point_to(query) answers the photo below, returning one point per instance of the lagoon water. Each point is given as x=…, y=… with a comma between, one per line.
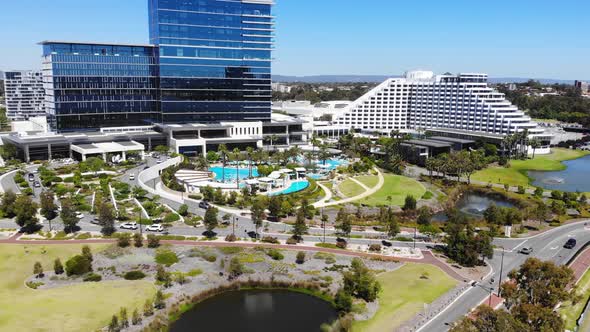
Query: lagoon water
x=257, y=311
x=576, y=177
x=473, y=205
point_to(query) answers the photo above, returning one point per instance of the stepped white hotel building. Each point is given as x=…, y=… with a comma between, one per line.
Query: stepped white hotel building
x=421, y=101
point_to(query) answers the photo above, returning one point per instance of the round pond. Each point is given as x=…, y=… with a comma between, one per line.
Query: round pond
x=257, y=311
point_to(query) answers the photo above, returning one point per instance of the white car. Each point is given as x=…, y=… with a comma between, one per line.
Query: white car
x=79, y=215
x=131, y=177
x=129, y=225
x=155, y=228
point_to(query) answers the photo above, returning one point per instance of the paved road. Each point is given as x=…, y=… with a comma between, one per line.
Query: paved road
x=546, y=246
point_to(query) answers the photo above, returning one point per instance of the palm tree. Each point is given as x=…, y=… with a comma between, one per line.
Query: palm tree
x=250, y=153
x=324, y=153
x=535, y=144
x=236, y=155
x=222, y=149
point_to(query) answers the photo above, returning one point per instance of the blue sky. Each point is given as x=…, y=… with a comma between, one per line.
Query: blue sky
x=524, y=38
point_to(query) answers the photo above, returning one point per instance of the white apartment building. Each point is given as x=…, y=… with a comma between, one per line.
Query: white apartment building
x=25, y=95
x=421, y=100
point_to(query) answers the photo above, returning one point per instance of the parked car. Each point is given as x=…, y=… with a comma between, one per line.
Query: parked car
x=129, y=225
x=159, y=161
x=79, y=215
x=570, y=244
x=37, y=184
x=95, y=221
x=131, y=177
x=386, y=243
x=155, y=228
x=526, y=251
x=31, y=177
x=204, y=205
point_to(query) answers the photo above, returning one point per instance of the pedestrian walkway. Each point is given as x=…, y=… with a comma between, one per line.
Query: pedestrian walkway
x=581, y=264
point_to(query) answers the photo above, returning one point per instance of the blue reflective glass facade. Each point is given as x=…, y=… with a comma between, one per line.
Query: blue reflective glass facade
x=214, y=59
x=89, y=86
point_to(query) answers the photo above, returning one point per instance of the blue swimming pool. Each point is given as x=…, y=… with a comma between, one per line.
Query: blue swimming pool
x=293, y=188
x=230, y=173
x=316, y=176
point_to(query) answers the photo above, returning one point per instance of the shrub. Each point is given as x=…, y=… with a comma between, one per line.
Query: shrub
x=427, y=195
x=166, y=257
x=300, y=257
x=93, y=277
x=194, y=273
x=292, y=241
x=275, y=254
x=58, y=267
x=375, y=247
x=521, y=190
x=34, y=285
x=341, y=244
x=231, y=238
x=134, y=275
x=138, y=240
x=230, y=250
x=343, y=301
x=170, y=218
x=235, y=267
x=270, y=239
x=124, y=240
x=197, y=197
x=78, y=265
x=183, y=210
x=153, y=241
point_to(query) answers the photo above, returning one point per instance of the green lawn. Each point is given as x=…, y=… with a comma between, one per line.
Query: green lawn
x=570, y=313
x=404, y=294
x=516, y=175
x=369, y=180
x=83, y=307
x=397, y=187
x=350, y=188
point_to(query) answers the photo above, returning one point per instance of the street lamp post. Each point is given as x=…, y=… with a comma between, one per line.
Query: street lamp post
x=233, y=226
x=415, y=231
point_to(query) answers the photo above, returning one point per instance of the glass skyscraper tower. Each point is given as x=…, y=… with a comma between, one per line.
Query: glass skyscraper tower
x=214, y=59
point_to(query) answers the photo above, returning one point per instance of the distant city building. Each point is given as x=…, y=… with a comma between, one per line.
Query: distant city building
x=282, y=88
x=583, y=87
x=512, y=87
x=24, y=94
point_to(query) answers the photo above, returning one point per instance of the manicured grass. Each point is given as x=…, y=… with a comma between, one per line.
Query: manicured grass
x=397, y=187
x=404, y=294
x=516, y=175
x=350, y=188
x=369, y=181
x=82, y=307
x=570, y=313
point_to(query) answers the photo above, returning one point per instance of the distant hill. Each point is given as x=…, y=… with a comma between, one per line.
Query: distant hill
x=381, y=78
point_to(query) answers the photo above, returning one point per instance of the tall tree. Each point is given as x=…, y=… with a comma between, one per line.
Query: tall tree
x=26, y=213
x=392, y=224
x=48, y=206
x=343, y=224
x=300, y=227
x=211, y=220
x=106, y=216
x=68, y=216
x=7, y=205
x=257, y=213
x=275, y=207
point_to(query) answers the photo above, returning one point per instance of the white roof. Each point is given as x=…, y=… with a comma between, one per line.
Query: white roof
x=300, y=169
x=266, y=180
x=286, y=170
x=109, y=147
